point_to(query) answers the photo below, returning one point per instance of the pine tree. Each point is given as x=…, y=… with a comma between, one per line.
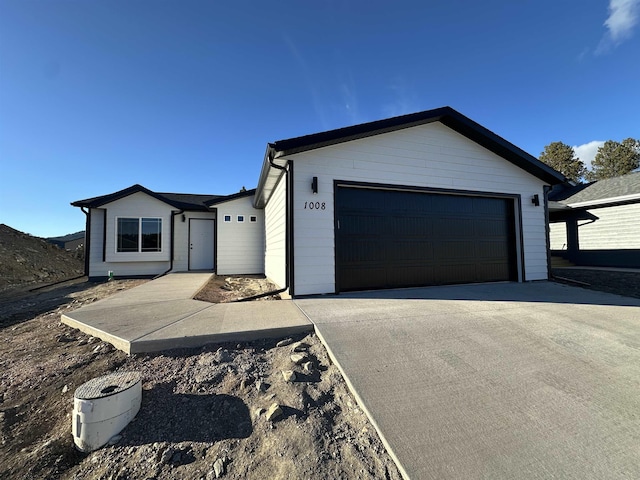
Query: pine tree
x=615, y=158
x=562, y=158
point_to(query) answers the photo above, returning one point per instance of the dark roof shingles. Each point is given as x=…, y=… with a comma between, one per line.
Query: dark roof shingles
x=601, y=190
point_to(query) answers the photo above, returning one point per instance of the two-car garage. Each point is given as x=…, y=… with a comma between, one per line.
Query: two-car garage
x=388, y=237
x=431, y=198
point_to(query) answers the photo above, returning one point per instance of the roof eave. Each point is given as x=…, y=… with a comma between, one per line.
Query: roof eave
x=446, y=115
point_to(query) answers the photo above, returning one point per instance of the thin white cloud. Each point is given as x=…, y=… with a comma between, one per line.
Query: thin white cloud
x=587, y=151
x=624, y=16
x=403, y=99
x=305, y=72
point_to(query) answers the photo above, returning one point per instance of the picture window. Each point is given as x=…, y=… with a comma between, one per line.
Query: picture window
x=138, y=235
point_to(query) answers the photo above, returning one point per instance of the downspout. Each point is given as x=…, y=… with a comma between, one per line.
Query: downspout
x=173, y=234
x=545, y=190
x=286, y=243
x=87, y=244
x=287, y=233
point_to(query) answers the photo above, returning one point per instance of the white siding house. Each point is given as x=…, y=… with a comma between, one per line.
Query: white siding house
x=233, y=247
x=438, y=152
x=429, y=198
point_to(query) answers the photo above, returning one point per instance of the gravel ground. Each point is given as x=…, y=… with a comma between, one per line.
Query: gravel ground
x=206, y=413
x=621, y=283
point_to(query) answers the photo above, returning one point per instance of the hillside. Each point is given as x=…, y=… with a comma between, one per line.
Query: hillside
x=26, y=260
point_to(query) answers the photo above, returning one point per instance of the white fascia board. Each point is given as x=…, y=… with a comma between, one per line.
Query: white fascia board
x=604, y=201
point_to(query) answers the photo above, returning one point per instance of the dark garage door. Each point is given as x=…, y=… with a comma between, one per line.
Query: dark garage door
x=391, y=238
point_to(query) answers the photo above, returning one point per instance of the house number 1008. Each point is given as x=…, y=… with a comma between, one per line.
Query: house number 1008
x=315, y=205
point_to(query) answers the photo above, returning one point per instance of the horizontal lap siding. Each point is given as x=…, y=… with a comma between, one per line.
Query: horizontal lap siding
x=426, y=156
x=558, y=236
x=240, y=246
x=275, y=235
x=615, y=228
x=128, y=264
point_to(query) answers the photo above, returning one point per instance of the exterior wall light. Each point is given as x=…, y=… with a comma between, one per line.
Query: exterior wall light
x=314, y=185
x=535, y=200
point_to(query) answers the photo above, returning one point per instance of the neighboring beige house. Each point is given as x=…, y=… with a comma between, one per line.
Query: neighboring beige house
x=424, y=199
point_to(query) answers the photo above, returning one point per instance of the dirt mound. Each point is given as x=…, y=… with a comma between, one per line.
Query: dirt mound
x=26, y=260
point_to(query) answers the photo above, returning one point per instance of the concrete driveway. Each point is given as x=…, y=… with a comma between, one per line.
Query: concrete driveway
x=495, y=381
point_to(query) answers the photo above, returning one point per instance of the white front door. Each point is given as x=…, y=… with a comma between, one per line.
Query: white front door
x=201, y=234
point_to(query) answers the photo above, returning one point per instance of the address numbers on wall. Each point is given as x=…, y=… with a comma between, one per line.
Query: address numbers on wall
x=315, y=205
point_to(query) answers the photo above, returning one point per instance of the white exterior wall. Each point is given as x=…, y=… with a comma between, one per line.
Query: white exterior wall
x=275, y=235
x=240, y=246
x=431, y=155
x=558, y=235
x=181, y=236
x=128, y=263
x=616, y=228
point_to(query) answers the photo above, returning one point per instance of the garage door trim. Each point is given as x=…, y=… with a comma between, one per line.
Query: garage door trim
x=516, y=197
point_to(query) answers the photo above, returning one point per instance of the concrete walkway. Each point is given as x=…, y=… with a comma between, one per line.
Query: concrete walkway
x=497, y=381
x=161, y=314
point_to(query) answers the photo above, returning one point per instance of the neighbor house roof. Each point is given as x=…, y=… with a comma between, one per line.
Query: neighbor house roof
x=182, y=201
x=623, y=189
x=446, y=115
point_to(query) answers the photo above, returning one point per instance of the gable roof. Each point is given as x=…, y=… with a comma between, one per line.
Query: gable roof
x=182, y=201
x=445, y=115
x=625, y=188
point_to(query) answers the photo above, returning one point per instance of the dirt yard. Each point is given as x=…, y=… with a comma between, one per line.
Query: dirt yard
x=206, y=413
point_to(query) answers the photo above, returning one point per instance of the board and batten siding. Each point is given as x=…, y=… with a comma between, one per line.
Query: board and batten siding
x=431, y=155
x=275, y=215
x=181, y=238
x=615, y=228
x=128, y=264
x=240, y=246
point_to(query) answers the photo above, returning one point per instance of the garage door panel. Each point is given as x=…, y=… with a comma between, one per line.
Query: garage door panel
x=390, y=238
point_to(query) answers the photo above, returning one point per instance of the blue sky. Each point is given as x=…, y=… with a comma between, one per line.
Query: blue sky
x=182, y=96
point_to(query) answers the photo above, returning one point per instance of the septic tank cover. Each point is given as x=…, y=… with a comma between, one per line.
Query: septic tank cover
x=107, y=385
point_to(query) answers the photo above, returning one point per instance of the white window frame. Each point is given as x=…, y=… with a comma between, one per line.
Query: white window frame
x=239, y=217
x=139, y=251
x=224, y=218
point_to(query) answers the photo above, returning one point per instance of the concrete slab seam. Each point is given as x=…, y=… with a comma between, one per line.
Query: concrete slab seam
x=354, y=392
x=174, y=322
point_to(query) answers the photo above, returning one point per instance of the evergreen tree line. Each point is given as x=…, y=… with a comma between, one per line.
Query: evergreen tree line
x=612, y=160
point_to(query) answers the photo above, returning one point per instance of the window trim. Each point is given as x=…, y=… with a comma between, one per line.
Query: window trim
x=240, y=218
x=140, y=250
x=224, y=218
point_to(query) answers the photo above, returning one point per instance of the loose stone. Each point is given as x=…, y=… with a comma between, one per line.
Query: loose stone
x=299, y=358
x=308, y=367
x=289, y=375
x=274, y=412
x=285, y=342
x=218, y=467
x=301, y=347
